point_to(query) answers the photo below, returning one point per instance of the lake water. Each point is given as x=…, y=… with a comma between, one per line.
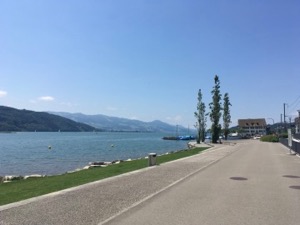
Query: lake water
x=28, y=153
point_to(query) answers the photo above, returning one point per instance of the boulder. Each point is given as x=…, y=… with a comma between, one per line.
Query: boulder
x=33, y=176
x=11, y=178
x=97, y=163
x=92, y=166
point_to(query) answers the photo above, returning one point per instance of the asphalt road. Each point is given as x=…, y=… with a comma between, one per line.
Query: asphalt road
x=259, y=184
x=249, y=183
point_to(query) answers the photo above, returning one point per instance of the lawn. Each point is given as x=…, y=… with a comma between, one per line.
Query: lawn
x=33, y=187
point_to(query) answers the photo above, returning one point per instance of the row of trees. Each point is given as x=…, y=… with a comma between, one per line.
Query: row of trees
x=215, y=114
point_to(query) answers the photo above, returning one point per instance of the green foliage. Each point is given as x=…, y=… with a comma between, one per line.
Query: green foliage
x=269, y=138
x=215, y=114
x=226, y=115
x=24, y=189
x=24, y=120
x=201, y=118
x=283, y=135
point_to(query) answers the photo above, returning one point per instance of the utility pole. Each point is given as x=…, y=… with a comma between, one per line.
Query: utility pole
x=285, y=129
x=298, y=122
x=284, y=113
x=280, y=128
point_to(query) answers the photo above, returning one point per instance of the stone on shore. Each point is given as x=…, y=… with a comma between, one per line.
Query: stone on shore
x=10, y=178
x=33, y=176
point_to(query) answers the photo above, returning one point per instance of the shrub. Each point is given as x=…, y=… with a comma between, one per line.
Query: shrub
x=269, y=138
x=284, y=135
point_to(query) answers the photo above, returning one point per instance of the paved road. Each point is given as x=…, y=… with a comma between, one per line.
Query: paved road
x=249, y=183
x=259, y=184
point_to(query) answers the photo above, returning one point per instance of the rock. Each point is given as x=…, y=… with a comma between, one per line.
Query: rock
x=97, y=163
x=104, y=166
x=33, y=176
x=11, y=178
x=92, y=166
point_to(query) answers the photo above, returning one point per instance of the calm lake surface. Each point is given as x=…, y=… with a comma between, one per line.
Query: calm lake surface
x=26, y=153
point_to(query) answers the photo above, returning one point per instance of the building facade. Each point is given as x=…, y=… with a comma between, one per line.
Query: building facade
x=297, y=123
x=252, y=127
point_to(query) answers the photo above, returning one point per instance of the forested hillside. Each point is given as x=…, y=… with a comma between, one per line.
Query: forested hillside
x=24, y=120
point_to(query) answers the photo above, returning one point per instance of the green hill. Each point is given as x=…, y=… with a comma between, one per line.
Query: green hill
x=24, y=120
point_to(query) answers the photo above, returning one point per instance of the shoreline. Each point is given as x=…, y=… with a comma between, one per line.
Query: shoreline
x=30, y=152
x=102, y=164
x=25, y=189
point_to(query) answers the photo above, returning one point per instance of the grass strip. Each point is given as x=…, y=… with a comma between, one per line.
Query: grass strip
x=33, y=187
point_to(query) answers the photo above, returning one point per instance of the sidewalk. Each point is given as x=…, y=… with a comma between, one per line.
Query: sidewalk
x=99, y=201
x=258, y=184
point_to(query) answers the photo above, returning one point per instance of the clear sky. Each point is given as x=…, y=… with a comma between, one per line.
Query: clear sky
x=146, y=59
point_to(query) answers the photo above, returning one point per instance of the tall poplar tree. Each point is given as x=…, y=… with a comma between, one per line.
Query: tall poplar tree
x=215, y=114
x=226, y=115
x=201, y=119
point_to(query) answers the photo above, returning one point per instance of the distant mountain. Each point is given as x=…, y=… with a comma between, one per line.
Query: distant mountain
x=24, y=120
x=108, y=123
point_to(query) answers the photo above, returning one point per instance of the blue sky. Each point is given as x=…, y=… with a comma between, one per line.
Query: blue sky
x=146, y=59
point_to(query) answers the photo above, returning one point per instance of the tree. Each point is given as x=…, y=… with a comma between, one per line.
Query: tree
x=215, y=114
x=226, y=115
x=201, y=119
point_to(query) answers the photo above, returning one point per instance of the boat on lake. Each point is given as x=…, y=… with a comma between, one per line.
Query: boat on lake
x=182, y=138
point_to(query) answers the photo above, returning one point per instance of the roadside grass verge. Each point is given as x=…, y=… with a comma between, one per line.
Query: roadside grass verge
x=269, y=138
x=33, y=187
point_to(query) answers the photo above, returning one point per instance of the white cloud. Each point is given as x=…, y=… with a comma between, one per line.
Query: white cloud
x=46, y=98
x=3, y=94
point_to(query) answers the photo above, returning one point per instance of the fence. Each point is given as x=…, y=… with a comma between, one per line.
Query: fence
x=297, y=136
x=295, y=144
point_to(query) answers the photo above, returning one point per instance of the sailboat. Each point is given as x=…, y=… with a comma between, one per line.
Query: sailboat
x=178, y=137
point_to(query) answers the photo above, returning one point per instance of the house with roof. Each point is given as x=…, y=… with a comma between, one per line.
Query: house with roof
x=297, y=123
x=252, y=127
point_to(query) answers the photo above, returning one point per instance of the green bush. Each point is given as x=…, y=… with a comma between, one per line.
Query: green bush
x=269, y=138
x=284, y=135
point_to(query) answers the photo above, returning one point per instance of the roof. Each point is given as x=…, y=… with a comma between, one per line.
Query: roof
x=252, y=122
